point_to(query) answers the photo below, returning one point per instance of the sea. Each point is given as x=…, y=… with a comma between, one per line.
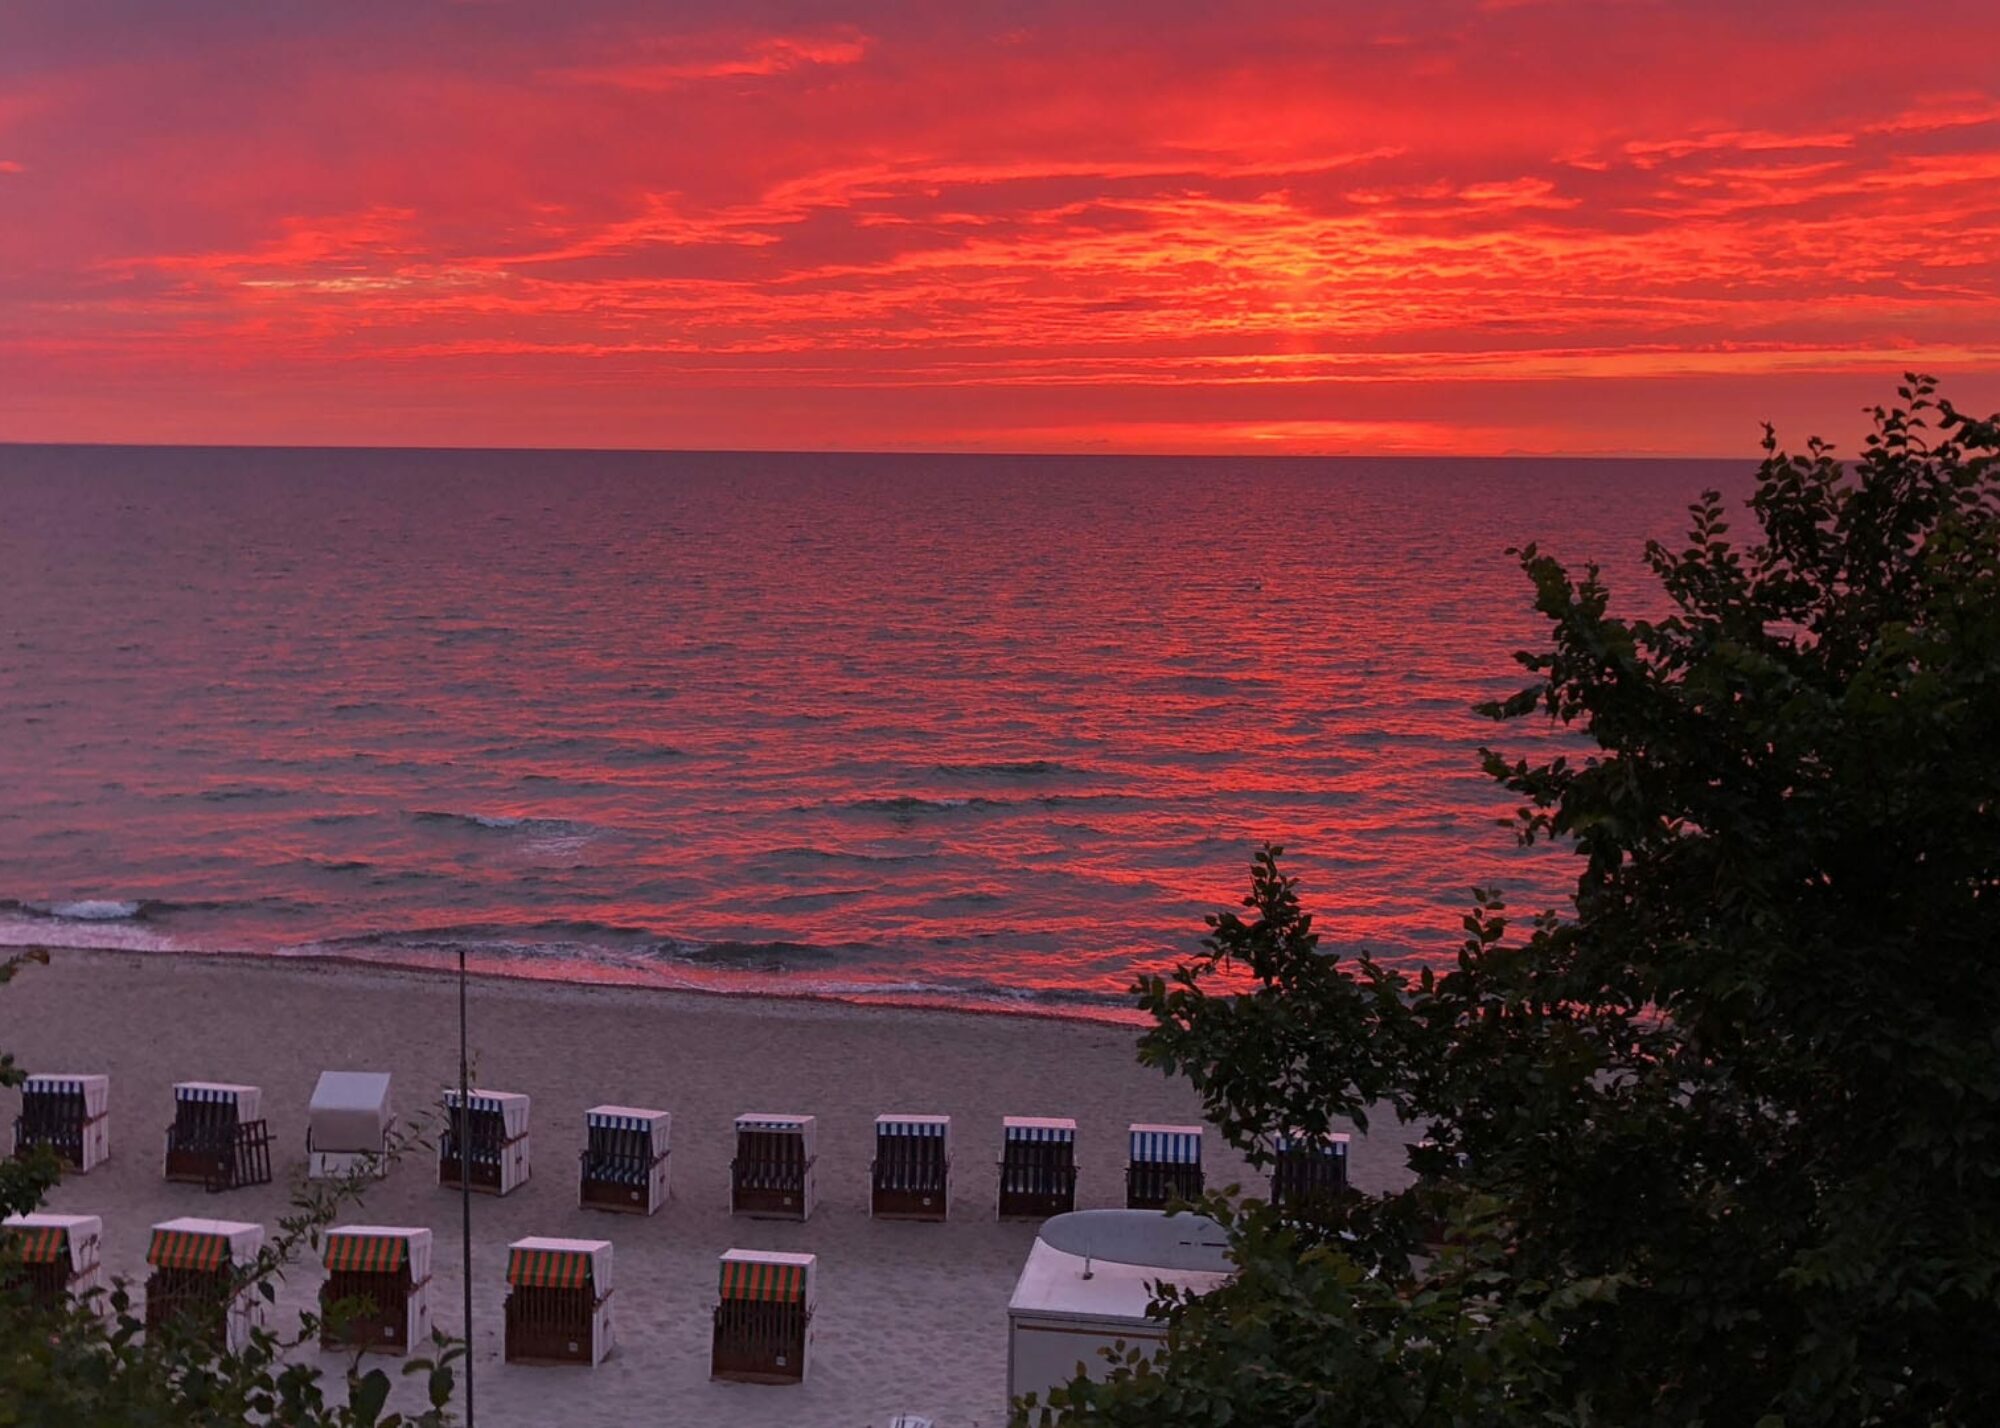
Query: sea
x=992, y=732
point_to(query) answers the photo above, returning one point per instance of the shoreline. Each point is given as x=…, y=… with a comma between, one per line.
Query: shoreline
x=490, y=970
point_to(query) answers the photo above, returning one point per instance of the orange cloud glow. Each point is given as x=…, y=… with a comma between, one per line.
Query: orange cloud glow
x=1448, y=226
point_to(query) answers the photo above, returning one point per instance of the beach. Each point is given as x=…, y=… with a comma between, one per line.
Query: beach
x=911, y=1317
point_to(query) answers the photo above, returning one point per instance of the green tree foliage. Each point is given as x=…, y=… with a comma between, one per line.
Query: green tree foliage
x=95, y=1363
x=1720, y=1144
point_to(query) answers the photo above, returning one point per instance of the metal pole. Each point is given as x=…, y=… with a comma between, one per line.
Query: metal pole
x=465, y=1179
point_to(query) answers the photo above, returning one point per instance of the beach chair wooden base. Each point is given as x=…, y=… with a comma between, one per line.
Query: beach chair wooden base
x=759, y=1342
x=1301, y=1182
x=765, y=1202
x=48, y=1285
x=1037, y=1179
x=556, y=1326
x=899, y=1204
x=1156, y=1184
x=617, y=1196
x=195, y=1301
x=382, y=1325
x=485, y=1177
x=1036, y=1204
x=78, y=1149
x=244, y=1158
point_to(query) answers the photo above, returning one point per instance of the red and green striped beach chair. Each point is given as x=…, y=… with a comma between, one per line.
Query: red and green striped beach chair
x=197, y=1280
x=764, y=1317
x=558, y=1301
x=56, y=1256
x=377, y=1295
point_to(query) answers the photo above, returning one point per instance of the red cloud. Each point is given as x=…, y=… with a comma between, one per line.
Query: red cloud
x=1310, y=232
x=760, y=58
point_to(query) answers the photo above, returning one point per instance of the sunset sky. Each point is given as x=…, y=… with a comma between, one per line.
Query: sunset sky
x=1395, y=227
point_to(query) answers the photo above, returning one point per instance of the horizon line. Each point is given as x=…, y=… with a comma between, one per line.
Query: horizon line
x=6, y=443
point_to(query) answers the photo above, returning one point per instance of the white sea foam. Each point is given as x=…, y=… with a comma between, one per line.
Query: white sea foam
x=17, y=930
x=90, y=910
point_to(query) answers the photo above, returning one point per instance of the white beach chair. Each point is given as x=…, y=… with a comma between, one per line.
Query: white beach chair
x=623, y=1165
x=772, y=1175
x=69, y=1114
x=1307, y=1168
x=1165, y=1165
x=1037, y=1167
x=218, y=1138
x=910, y=1177
x=495, y=1132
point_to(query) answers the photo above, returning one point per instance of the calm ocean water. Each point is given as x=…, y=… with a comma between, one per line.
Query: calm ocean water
x=980, y=730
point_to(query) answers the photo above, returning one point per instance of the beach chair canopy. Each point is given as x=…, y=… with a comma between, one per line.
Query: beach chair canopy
x=655, y=1124
x=1171, y=1145
x=95, y=1090
x=510, y=1106
x=1332, y=1145
x=248, y=1100
x=204, y=1244
x=768, y=1277
x=42, y=1238
x=915, y=1127
x=379, y=1249
x=1036, y=1129
x=560, y=1264
x=805, y=1127
x=350, y=1111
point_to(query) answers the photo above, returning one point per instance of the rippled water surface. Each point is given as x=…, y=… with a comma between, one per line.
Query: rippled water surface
x=989, y=730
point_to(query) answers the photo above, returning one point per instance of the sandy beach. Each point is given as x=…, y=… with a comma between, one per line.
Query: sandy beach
x=911, y=1316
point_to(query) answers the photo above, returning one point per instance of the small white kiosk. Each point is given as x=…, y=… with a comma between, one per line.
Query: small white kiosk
x=347, y=1125
x=1087, y=1285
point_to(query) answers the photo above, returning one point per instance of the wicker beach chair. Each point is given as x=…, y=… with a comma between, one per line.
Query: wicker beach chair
x=910, y=1177
x=196, y=1280
x=382, y=1273
x=347, y=1125
x=218, y=1139
x=58, y=1255
x=772, y=1176
x=68, y=1114
x=558, y=1301
x=623, y=1164
x=1165, y=1166
x=764, y=1317
x=1308, y=1169
x=494, y=1128
x=1037, y=1167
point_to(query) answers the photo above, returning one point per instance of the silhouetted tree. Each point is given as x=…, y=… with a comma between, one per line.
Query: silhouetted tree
x=1722, y=1144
